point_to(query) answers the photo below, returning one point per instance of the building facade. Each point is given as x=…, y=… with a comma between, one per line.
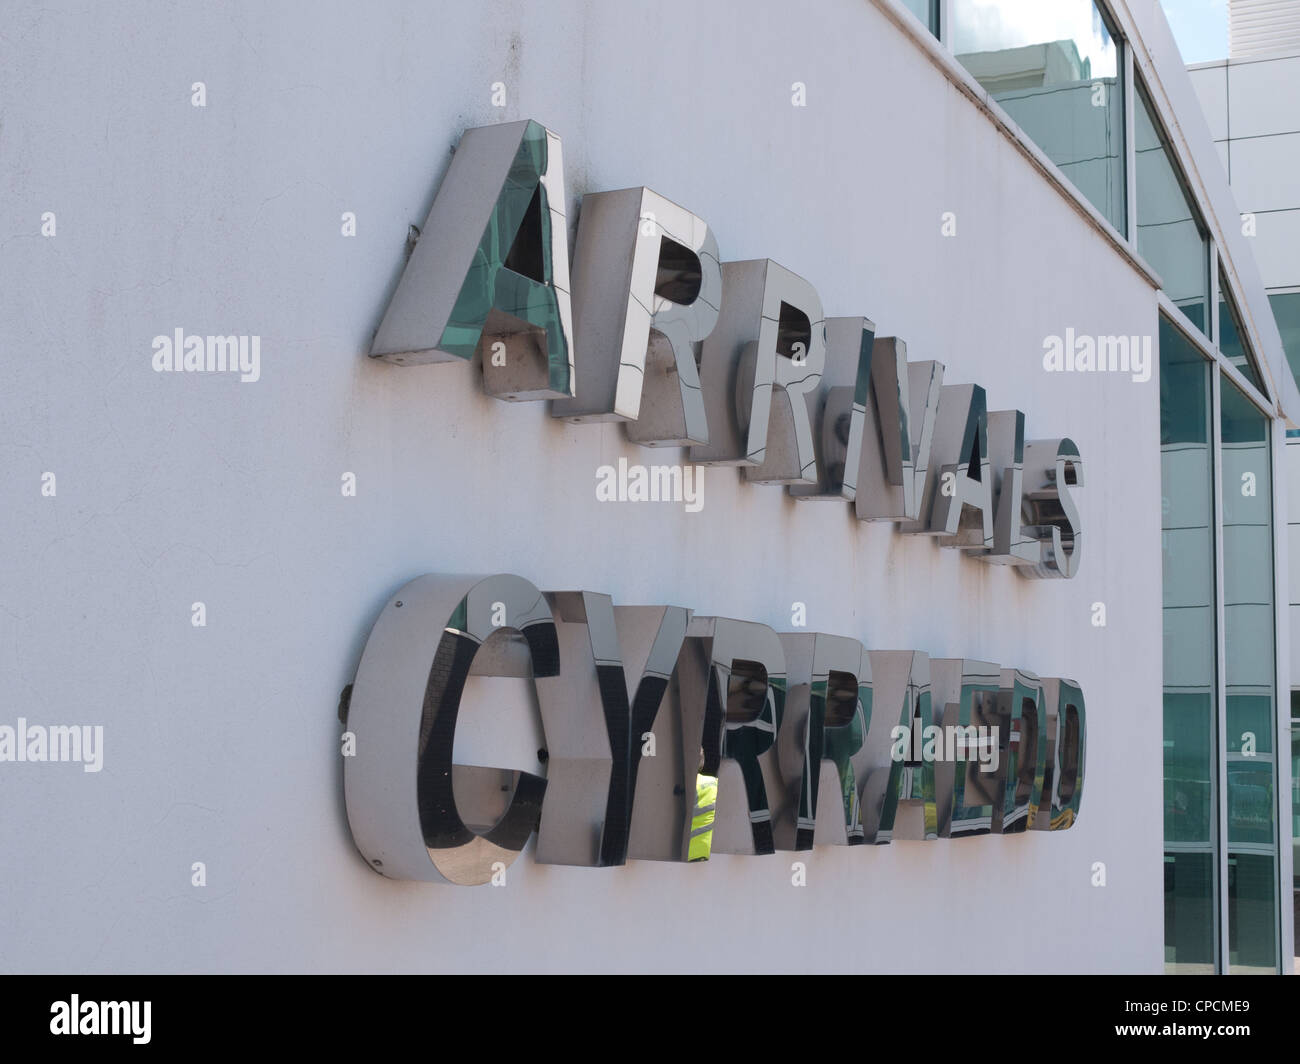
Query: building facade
x=1247, y=102
x=208, y=559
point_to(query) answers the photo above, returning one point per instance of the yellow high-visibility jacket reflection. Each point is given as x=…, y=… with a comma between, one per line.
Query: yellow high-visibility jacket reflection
x=706, y=803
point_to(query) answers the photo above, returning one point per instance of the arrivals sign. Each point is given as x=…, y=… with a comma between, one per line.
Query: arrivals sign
x=734, y=361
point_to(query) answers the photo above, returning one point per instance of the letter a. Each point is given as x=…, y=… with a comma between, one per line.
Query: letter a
x=492, y=264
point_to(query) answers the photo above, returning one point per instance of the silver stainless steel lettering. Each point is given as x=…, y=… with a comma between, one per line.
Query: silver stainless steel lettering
x=415, y=814
x=638, y=710
x=733, y=360
x=647, y=285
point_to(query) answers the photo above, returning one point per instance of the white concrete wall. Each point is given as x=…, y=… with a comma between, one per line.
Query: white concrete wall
x=221, y=742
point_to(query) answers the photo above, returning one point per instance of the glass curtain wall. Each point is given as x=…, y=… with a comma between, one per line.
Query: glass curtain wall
x=1231, y=344
x=1250, y=668
x=1286, y=311
x=1208, y=780
x=1170, y=233
x=1190, y=720
x=1057, y=70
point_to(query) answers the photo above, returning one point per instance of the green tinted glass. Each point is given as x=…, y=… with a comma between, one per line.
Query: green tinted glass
x=1295, y=798
x=1055, y=69
x=1232, y=340
x=927, y=11
x=1249, y=662
x=1252, y=914
x=1170, y=233
x=1190, y=722
x=1189, y=768
x=1189, y=913
x=1286, y=309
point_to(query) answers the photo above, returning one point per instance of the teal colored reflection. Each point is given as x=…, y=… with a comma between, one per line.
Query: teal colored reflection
x=974, y=791
x=1286, y=311
x=838, y=739
x=747, y=736
x=1190, y=647
x=1232, y=341
x=1250, y=724
x=1055, y=68
x=1189, y=913
x=1295, y=796
x=1250, y=802
x=1026, y=763
x=1070, y=758
x=927, y=11
x=1170, y=232
x=1252, y=914
x=911, y=780
x=1189, y=767
x=513, y=270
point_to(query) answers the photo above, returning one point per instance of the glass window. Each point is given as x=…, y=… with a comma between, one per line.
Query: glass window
x=1295, y=796
x=1170, y=233
x=1232, y=337
x=1252, y=914
x=1056, y=70
x=1248, y=641
x=1286, y=309
x=1190, y=722
x=1189, y=913
x=927, y=11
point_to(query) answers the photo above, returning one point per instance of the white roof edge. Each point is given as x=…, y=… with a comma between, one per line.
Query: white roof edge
x=1157, y=58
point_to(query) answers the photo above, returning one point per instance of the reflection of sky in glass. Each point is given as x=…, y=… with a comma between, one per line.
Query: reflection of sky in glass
x=991, y=25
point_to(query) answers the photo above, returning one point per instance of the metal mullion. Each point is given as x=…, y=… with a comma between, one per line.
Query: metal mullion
x=1130, y=146
x=1212, y=311
x=1221, y=944
x=1282, y=683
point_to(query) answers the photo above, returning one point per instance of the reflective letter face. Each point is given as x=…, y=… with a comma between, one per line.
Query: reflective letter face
x=849, y=344
x=1012, y=543
x=827, y=716
x=754, y=718
x=732, y=676
x=1022, y=712
x=899, y=801
x=974, y=745
x=759, y=368
x=647, y=286
x=595, y=713
x=402, y=805
x=490, y=272
x=1068, y=742
x=1051, y=467
x=958, y=492
x=891, y=434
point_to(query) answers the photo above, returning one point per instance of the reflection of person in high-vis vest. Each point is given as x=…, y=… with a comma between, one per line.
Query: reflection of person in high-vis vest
x=706, y=804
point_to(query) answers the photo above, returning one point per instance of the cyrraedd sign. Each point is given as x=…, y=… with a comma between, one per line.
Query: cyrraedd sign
x=811, y=736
